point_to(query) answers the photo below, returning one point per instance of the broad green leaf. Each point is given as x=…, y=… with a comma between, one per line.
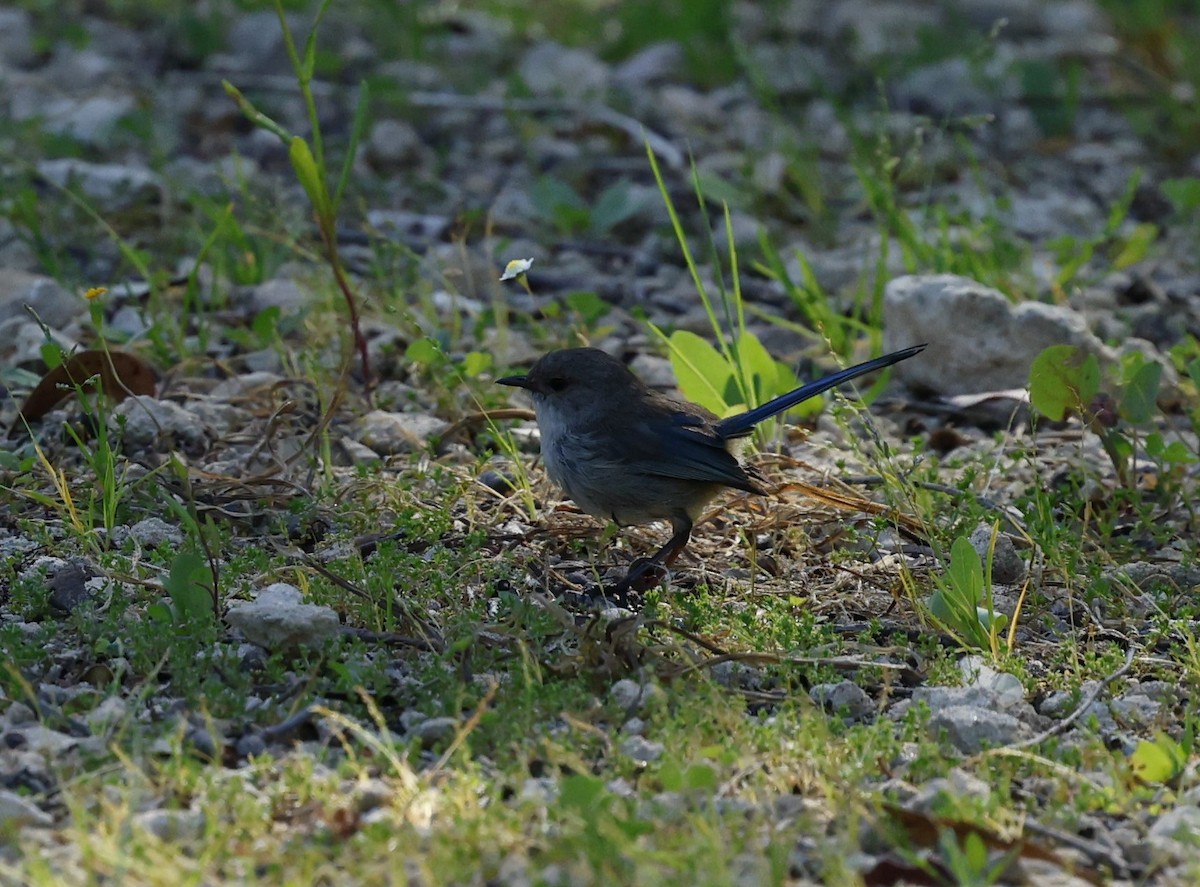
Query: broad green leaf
x=423, y=351
x=719, y=190
x=700, y=777
x=701, y=371
x=580, y=791
x=757, y=369
x=52, y=354
x=588, y=305
x=613, y=207
x=966, y=570
x=476, y=362
x=1139, y=400
x=1183, y=194
x=1174, y=453
x=159, y=612
x=1158, y=761
x=1062, y=380
x=266, y=322
x=670, y=776
x=188, y=585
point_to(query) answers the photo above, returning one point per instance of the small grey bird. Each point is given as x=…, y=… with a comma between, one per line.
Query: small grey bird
x=626, y=453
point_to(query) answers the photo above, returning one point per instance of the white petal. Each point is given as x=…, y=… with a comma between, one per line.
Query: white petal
x=516, y=268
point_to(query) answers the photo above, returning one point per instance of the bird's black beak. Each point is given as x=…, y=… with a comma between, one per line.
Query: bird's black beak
x=514, y=381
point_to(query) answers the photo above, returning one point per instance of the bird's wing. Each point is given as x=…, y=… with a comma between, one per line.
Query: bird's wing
x=693, y=451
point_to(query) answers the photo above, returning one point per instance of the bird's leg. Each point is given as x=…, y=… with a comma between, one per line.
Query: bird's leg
x=665, y=556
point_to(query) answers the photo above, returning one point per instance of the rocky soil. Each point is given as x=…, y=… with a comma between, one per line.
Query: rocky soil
x=965, y=174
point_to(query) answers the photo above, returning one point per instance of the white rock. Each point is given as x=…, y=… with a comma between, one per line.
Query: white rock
x=162, y=424
x=549, y=69
x=109, y=184
x=390, y=433
x=53, y=304
x=978, y=340
x=107, y=715
x=171, y=825
x=16, y=811
x=278, y=618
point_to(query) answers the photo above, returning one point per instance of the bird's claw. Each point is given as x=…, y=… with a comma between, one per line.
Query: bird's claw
x=644, y=573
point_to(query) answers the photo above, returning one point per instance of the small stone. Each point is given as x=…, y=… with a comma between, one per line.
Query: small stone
x=626, y=694
x=550, y=69
x=93, y=120
x=1008, y=567
x=1176, y=833
x=371, y=794
x=107, y=715
x=19, y=713
x=393, y=143
x=154, y=531
x=251, y=745
x=971, y=729
x=47, y=742
x=357, y=453
x=978, y=673
x=655, y=371
x=978, y=340
x=111, y=185
x=282, y=293
x=1133, y=710
x=652, y=64
x=409, y=227
x=17, y=47
x=844, y=697
x=641, y=749
x=391, y=433
x=956, y=784
x=69, y=585
x=499, y=481
x=431, y=731
x=200, y=742
x=17, y=812
x=278, y=618
x=161, y=425
x=171, y=825
x=53, y=304
x=1058, y=704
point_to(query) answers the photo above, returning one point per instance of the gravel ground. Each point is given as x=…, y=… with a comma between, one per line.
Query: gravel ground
x=967, y=174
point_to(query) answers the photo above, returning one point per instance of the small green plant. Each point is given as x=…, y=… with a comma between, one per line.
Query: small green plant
x=933, y=239
x=726, y=383
x=1162, y=760
x=1073, y=254
x=824, y=321
x=740, y=373
x=556, y=202
x=962, y=602
x=969, y=862
x=188, y=587
x=609, y=825
x=1063, y=380
x=308, y=163
x=1186, y=358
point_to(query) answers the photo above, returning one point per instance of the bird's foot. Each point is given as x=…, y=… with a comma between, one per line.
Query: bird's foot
x=644, y=573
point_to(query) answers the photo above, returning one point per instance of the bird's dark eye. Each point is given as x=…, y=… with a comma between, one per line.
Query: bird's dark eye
x=558, y=383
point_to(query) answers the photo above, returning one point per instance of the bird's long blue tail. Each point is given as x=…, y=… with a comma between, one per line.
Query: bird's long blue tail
x=739, y=425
